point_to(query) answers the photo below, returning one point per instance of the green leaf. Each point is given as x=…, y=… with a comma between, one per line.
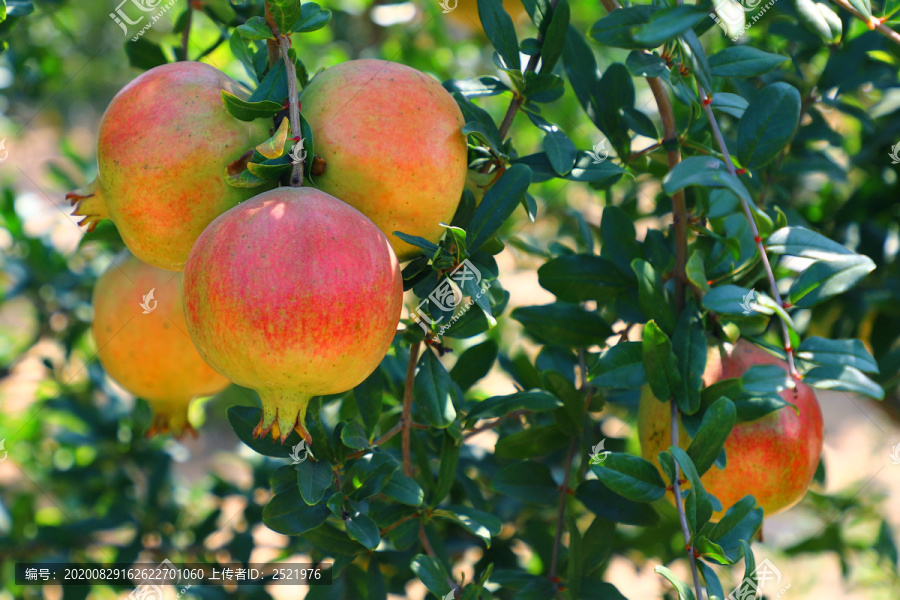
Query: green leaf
x=404, y=489
x=641, y=63
x=560, y=151
x=538, y=440
x=618, y=27
x=500, y=30
x=375, y=586
x=620, y=366
x=287, y=513
x=373, y=471
x=743, y=61
x=630, y=476
x=697, y=505
x=363, y=529
x=144, y=54
x=285, y=13
x=768, y=124
x=248, y=111
x=718, y=420
x=733, y=300
x=476, y=87
x=243, y=420
x=864, y=7
x=498, y=204
x=704, y=171
x=843, y=378
x=447, y=472
x=826, y=278
x=474, y=364
x=563, y=324
x=606, y=504
x=652, y=297
x=555, y=36
x=528, y=482
x=713, y=585
x=580, y=277
x=849, y=352
x=683, y=589
x=431, y=573
x=660, y=363
x=434, y=391
x=314, y=478
x=369, y=401
x=798, y=241
x=689, y=345
x=539, y=589
x=690, y=43
x=733, y=517
x=731, y=104
x=668, y=23
x=255, y=28
x=765, y=379
x=354, y=436
x=483, y=524
x=312, y=18
x=498, y=406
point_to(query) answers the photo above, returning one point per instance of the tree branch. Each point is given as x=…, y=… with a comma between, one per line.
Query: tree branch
x=282, y=46
x=405, y=418
x=679, y=504
x=873, y=23
x=754, y=231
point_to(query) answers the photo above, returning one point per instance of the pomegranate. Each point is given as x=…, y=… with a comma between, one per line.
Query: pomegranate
x=393, y=146
x=295, y=294
x=143, y=342
x=164, y=143
x=774, y=458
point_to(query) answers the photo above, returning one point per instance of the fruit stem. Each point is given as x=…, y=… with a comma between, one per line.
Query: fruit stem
x=283, y=42
x=88, y=202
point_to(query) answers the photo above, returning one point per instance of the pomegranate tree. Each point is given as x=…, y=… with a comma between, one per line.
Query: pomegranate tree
x=164, y=143
x=774, y=458
x=143, y=342
x=294, y=294
x=393, y=146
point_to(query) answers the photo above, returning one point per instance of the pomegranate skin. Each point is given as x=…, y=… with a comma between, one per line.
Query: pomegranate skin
x=393, y=146
x=774, y=458
x=164, y=143
x=147, y=349
x=295, y=294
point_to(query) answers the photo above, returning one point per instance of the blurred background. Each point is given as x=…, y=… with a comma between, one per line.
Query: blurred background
x=78, y=480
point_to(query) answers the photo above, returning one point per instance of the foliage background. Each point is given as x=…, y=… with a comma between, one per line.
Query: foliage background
x=80, y=481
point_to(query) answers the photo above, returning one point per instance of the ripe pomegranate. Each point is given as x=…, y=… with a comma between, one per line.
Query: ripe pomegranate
x=466, y=15
x=393, y=146
x=773, y=458
x=295, y=294
x=164, y=143
x=143, y=341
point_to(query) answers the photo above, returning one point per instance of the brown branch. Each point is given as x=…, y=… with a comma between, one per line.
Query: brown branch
x=679, y=205
x=679, y=504
x=405, y=418
x=391, y=433
x=398, y=523
x=494, y=424
x=873, y=23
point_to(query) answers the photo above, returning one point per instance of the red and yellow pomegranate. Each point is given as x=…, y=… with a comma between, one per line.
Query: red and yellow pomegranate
x=393, y=146
x=774, y=458
x=294, y=294
x=143, y=342
x=164, y=143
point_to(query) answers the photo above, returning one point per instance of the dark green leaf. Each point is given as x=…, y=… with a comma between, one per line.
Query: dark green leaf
x=483, y=524
x=826, y=278
x=797, y=241
x=244, y=419
x=618, y=27
x=850, y=352
x=668, y=23
x=248, y=111
x=284, y=13
x=652, y=298
x=255, y=29
x=563, y=324
x=404, y=489
x=555, y=36
x=644, y=64
x=314, y=478
x=144, y=54
x=431, y=573
x=312, y=18
x=498, y=204
x=718, y=421
x=684, y=590
x=768, y=124
x=500, y=30
x=580, y=277
x=660, y=363
x=288, y=514
x=620, y=366
x=630, y=476
x=363, y=529
x=560, y=151
x=528, y=482
x=743, y=61
x=434, y=391
x=704, y=171
x=605, y=503
x=845, y=379
x=447, y=472
x=498, y=406
x=538, y=440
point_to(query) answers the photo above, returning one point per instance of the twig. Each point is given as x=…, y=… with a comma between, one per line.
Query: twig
x=754, y=231
x=393, y=526
x=494, y=424
x=391, y=433
x=873, y=23
x=679, y=503
x=186, y=34
x=679, y=205
x=405, y=418
x=283, y=43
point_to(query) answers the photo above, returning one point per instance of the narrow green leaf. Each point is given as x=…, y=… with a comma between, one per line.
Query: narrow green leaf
x=563, y=324
x=743, y=61
x=434, y=393
x=500, y=30
x=704, y=171
x=620, y=366
x=580, y=277
x=843, y=378
x=768, y=124
x=528, y=482
x=498, y=204
x=850, y=352
x=447, y=472
x=718, y=420
x=498, y=406
x=630, y=476
x=667, y=24
x=248, y=111
x=660, y=363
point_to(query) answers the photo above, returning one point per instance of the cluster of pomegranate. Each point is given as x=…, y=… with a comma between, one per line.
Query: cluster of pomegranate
x=293, y=292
